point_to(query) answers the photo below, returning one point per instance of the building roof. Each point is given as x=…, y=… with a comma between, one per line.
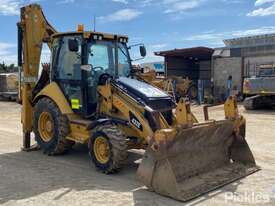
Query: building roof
x=250, y=41
x=199, y=53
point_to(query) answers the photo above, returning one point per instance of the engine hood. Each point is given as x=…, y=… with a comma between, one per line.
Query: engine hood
x=150, y=95
x=143, y=88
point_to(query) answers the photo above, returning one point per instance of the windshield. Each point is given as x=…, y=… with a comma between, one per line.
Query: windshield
x=102, y=58
x=101, y=55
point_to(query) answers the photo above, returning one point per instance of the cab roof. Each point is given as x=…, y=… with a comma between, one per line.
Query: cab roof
x=89, y=34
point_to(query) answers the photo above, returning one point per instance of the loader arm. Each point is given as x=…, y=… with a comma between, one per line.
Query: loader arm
x=33, y=31
x=116, y=103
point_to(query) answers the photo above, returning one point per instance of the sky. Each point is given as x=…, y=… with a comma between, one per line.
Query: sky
x=159, y=24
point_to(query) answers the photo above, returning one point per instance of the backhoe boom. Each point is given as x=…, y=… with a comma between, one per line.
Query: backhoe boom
x=33, y=31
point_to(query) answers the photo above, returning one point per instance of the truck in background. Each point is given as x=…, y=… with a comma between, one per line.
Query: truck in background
x=259, y=87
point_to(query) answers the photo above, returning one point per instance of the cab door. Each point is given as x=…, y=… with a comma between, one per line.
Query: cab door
x=66, y=71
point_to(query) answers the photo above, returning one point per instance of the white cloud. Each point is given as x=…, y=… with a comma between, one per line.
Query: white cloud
x=180, y=5
x=4, y=47
x=121, y=1
x=9, y=7
x=121, y=15
x=158, y=46
x=233, y=1
x=65, y=1
x=12, y=7
x=263, y=11
x=257, y=31
x=144, y=3
x=261, y=2
x=6, y=53
x=150, y=57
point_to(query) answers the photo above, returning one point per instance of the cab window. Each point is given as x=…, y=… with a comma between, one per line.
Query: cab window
x=69, y=62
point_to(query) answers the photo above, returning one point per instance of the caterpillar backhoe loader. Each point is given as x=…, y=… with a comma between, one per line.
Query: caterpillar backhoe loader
x=86, y=95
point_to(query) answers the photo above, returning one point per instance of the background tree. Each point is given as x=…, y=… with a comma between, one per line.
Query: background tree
x=4, y=68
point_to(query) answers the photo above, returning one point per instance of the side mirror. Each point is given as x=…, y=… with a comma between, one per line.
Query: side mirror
x=73, y=45
x=142, y=51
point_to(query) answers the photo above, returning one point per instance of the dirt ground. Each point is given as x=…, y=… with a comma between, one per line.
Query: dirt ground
x=37, y=179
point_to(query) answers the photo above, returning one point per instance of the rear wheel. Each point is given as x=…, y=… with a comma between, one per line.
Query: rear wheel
x=108, y=148
x=50, y=128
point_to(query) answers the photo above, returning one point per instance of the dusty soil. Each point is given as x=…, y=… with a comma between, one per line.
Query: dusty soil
x=36, y=179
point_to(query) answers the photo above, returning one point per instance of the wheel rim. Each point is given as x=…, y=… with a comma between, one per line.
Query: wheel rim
x=46, y=126
x=101, y=150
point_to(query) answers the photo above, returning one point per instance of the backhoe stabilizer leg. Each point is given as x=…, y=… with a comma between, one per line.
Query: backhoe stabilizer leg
x=27, y=147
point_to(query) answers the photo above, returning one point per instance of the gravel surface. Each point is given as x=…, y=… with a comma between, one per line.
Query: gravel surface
x=36, y=179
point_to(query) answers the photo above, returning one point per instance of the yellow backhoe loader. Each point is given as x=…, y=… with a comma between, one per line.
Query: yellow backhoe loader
x=86, y=95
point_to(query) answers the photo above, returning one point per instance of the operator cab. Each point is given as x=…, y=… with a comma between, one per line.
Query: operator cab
x=80, y=59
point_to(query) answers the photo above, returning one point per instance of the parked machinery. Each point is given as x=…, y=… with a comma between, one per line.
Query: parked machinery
x=9, y=86
x=259, y=88
x=176, y=86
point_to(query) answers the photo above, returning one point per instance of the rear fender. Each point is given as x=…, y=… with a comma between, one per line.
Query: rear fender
x=53, y=92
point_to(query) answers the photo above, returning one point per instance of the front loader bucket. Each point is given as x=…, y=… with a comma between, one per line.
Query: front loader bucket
x=198, y=160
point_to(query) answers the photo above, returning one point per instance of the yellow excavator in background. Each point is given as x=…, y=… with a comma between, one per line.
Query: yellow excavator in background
x=177, y=87
x=87, y=96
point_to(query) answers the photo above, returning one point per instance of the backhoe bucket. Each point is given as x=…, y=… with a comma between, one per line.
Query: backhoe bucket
x=198, y=160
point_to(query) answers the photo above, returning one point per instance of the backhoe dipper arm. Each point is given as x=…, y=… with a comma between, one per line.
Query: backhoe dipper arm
x=33, y=31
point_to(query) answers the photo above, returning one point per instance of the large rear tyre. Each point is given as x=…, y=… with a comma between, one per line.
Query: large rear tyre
x=108, y=148
x=50, y=128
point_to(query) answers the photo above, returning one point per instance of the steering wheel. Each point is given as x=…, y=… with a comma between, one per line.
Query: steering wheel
x=104, y=78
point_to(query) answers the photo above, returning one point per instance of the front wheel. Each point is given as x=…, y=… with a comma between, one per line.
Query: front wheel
x=108, y=148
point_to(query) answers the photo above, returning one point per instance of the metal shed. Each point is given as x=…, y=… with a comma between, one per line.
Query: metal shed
x=194, y=63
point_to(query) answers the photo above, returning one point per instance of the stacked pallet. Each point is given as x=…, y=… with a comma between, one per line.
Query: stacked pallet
x=8, y=82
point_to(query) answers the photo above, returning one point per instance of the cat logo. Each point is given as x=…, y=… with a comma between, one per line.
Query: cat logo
x=135, y=121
